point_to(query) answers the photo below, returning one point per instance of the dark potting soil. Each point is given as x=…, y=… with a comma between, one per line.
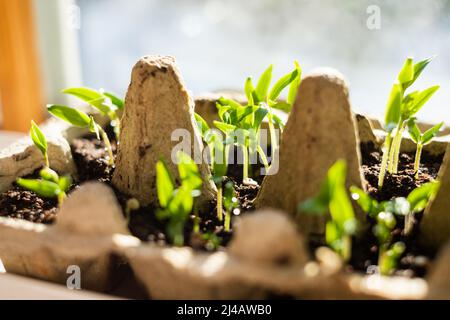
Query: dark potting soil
x=22, y=204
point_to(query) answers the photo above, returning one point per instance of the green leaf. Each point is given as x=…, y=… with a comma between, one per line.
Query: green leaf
x=182, y=203
x=260, y=114
x=38, y=138
x=419, y=100
x=406, y=74
x=282, y=83
x=340, y=207
x=188, y=171
x=49, y=175
x=419, y=67
x=73, y=116
x=414, y=130
x=43, y=188
x=118, y=102
x=249, y=90
x=367, y=204
x=93, y=127
x=263, y=85
x=164, y=184
x=283, y=106
x=293, y=89
x=229, y=102
x=201, y=124
x=92, y=97
x=419, y=197
x=393, y=108
x=224, y=127
x=431, y=133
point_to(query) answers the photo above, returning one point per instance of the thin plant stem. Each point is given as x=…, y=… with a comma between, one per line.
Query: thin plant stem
x=219, y=202
x=227, y=220
x=417, y=160
x=108, y=145
x=398, y=144
x=273, y=137
x=387, y=146
x=245, y=163
x=263, y=158
x=47, y=162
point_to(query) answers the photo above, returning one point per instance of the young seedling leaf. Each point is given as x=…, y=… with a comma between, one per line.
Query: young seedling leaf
x=38, y=139
x=419, y=197
x=263, y=85
x=393, y=108
x=420, y=99
x=406, y=74
x=73, y=116
x=419, y=67
x=118, y=102
x=431, y=133
x=92, y=97
x=188, y=171
x=414, y=130
x=367, y=204
x=164, y=184
x=282, y=83
x=43, y=188
x=224, y=127
x=249, y=90
x=202, y=125
x=93, y=127
x=293, y=88
x=283, y=106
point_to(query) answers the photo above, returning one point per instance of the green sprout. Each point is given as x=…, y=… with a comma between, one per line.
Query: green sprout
x=384, y=214
x=51, y=185
x=244, y=122
x=421, y=140
x=333, y=199
x=399, y=109
x=177, y=203
x=80, y=119
x=106, y=102
x=230, y=202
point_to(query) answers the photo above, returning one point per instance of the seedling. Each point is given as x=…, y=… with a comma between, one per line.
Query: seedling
x=106, y=102
x=231, y=203
x=244, y=122
x=333, y=199
x=51, y=185
x=421, y=139
x=80, y=119
x=399, y=110
x=177, y=203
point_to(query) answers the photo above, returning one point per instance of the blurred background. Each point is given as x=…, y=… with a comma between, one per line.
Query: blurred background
x=48, y=45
